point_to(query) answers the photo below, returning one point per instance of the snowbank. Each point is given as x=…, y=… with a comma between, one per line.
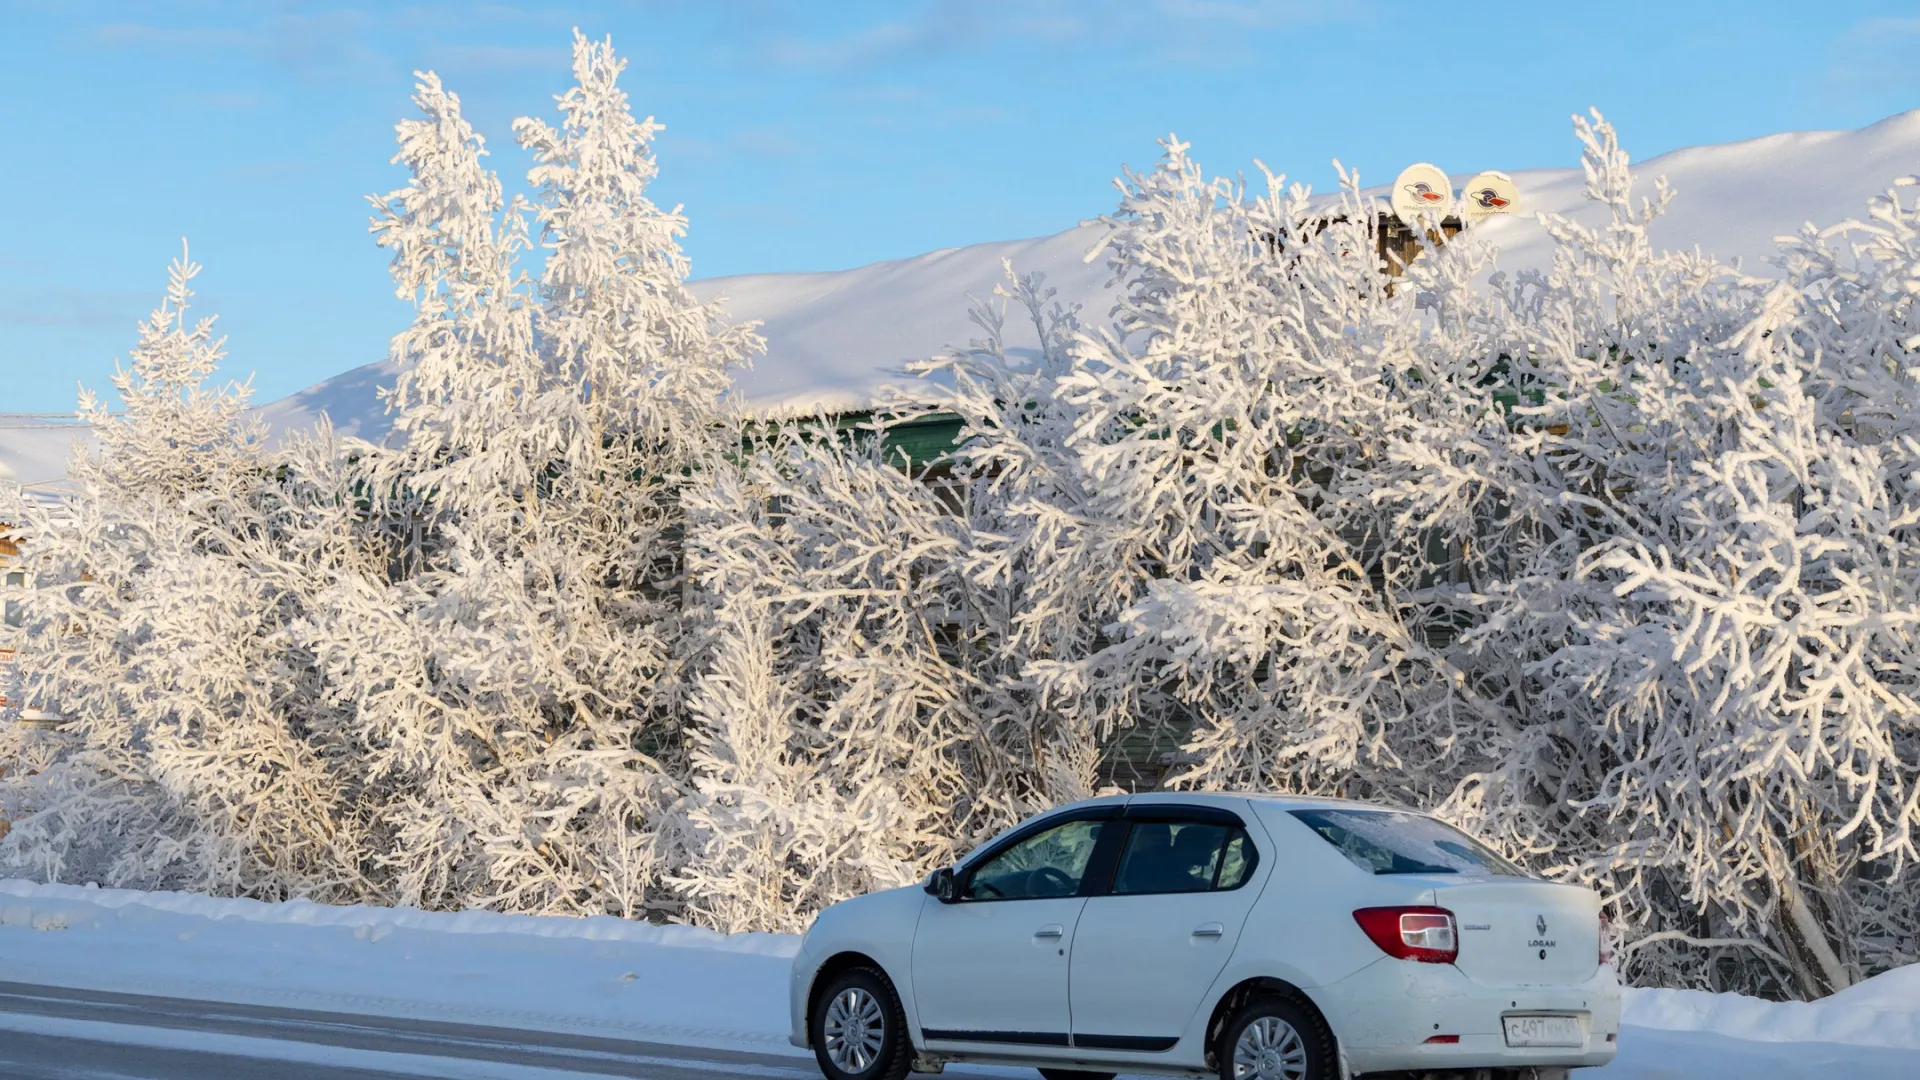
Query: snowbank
x=1883, y=1011
x=610, y=977
x=596, y=976
x=363, y=919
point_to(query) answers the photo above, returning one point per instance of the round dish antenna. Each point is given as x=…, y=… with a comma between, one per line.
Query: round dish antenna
x=1488, y=194
x=1422, y=193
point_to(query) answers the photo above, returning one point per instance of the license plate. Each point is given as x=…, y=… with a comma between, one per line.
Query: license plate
x=1544, y=1031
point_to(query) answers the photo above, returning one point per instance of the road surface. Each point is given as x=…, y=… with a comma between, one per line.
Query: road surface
x=55, y=1033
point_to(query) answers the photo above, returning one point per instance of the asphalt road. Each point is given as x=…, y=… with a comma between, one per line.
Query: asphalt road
x=55, y=1033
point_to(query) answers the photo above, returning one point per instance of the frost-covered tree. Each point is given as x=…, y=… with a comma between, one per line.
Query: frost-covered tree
x=1686, y=587
x=519, y=678
x=175, y=432
x=1173, y=491
x=1763, y=642
x=1609, y=563
x=856, y=722
x=157, y=633
x=774, y=834
x=445, y=672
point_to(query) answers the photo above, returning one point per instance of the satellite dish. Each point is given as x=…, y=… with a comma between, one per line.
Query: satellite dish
x=1422, y=192
x=1488, y=194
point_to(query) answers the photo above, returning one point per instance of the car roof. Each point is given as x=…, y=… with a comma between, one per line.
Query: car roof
x=1231, y=798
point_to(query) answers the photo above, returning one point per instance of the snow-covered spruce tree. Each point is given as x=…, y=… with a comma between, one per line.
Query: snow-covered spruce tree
x=175, y=434
x=518, y=679
x=157, y=633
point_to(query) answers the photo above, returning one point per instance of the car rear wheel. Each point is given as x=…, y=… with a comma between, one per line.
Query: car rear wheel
x=858, y=1029
x=1271, y=1038
x=1074, y=1074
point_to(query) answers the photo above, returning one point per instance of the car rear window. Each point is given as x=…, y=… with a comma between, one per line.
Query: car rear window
x=1395, y=842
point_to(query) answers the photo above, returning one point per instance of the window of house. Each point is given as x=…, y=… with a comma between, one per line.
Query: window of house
x=11, y=614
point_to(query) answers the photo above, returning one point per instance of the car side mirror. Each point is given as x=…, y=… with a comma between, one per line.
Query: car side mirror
x=940, y=884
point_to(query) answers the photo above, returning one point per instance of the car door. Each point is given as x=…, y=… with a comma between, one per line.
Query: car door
x=990, y=965
x=1147, y=950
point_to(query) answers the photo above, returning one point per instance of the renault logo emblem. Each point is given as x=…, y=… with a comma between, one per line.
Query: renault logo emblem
x=1540, y=924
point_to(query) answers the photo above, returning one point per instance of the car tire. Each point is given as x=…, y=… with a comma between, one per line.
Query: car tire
x=1075, y=1074
x=858, y=1030
x=1272, y=1038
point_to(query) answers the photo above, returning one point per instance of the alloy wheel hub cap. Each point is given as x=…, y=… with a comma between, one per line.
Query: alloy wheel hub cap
x=855, y=1028
x=1270, y=1049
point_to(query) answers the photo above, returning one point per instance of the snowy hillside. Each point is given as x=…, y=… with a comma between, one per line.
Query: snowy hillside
x=835, y=338
x=692, y=987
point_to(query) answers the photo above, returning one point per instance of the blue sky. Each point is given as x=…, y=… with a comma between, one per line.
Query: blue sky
x=801, y=136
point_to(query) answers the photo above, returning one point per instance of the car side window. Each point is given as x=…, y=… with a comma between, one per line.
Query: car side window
x=1237, y=863
x=1048, y=864
x=1177, y=857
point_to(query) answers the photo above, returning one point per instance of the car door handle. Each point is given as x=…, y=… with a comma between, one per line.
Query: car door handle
x=1050, y=931
x=1212, y=929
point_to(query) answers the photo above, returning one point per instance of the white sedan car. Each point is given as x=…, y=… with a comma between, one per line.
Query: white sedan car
x=1195, y=935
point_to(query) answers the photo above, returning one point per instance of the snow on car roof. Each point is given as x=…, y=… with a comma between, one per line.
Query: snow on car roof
x=1227, y=798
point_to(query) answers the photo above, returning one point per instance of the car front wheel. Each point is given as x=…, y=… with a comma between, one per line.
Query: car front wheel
x=1271, y=1038
x=858, y=1029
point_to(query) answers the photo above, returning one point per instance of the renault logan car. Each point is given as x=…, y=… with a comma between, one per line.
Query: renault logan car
x=1277, y=938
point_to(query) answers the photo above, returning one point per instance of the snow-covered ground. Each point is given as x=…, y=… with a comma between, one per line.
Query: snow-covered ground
x=612, y=978
x=836, y=338
x=601, y=976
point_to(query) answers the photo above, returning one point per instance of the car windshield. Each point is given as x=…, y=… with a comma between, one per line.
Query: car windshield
x=1395, y=842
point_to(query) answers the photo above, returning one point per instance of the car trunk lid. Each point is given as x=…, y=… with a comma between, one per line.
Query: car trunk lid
x=1524, y=933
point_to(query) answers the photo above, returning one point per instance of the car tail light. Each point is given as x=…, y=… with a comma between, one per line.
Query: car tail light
x=1606, y=940
x=1425, y=934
